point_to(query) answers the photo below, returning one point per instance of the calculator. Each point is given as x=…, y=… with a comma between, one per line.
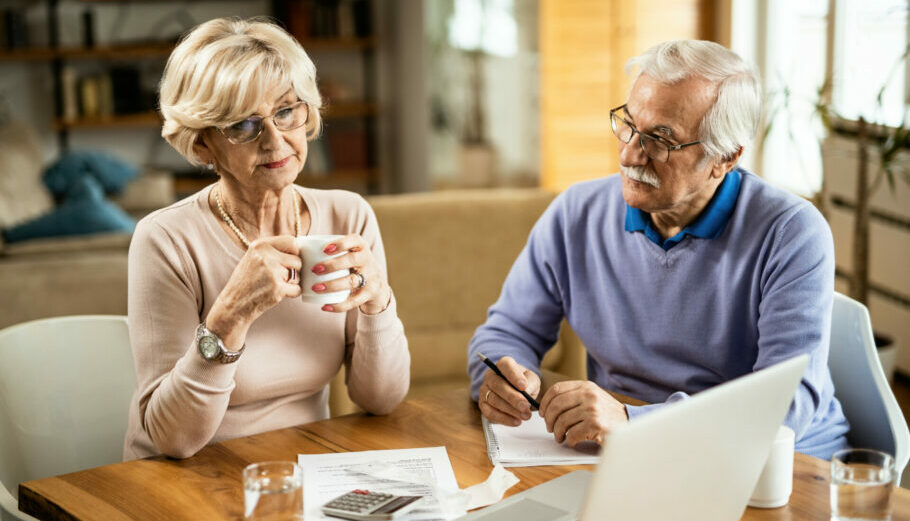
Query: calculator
x=364, y=504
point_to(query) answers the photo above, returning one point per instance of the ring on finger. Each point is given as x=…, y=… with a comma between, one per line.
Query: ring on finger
x=486, y=397
x=292, y=275
x=362, y=282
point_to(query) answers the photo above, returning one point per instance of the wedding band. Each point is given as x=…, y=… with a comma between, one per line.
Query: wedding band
x=292, y=274
x=363, y=281
x=486, y=397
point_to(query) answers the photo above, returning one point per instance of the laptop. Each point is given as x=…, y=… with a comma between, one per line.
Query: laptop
x=697, y=459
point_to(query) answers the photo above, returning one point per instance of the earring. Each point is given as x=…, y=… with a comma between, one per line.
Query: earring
x=210, y=166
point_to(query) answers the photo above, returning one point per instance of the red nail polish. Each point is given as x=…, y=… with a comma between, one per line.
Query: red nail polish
x=330, y=248
x=319, y=268
x=328, y=307
x=318, y=287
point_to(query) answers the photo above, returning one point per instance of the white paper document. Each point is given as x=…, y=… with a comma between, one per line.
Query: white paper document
x=530, y=445
x=424, y=472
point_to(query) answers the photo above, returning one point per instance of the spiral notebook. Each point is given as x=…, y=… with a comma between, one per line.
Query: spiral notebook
x=530, y=445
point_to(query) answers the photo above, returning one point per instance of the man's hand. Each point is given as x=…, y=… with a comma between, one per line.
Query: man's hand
x=578, y=411
x=502, y=404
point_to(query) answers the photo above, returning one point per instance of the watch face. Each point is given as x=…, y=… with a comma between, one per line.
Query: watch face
x=208, y=346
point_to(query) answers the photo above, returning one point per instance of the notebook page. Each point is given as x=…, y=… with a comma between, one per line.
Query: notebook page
x=530, y=444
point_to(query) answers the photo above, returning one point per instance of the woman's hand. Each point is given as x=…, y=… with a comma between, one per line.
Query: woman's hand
x=369, y=289
x=259, y=282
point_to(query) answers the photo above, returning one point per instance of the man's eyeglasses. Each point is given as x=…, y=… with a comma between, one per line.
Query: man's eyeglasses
x=655, y=147
x=288, y=118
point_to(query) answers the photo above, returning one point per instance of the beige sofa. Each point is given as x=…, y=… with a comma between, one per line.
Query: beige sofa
x=448, y=254
x=76, y=275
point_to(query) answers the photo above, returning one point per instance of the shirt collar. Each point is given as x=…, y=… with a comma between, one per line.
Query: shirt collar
x=709, y=224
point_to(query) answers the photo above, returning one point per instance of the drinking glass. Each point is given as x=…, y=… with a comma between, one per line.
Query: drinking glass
x=273, y=491
x=861, y=484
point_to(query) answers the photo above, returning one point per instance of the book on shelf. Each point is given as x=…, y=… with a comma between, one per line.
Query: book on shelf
x=345, y=14
x=88, y=28
x=127, y=90
x=15, y=28
x=348, y=148
x=328, y=18
x=360, y=10
x=69, y=83
x=105, y=95
x=108, y=93
x=89, y=97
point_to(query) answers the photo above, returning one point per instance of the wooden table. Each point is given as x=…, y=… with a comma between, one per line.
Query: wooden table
x=208, y=485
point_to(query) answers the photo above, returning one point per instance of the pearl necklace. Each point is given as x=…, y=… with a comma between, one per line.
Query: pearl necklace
x=240, y=235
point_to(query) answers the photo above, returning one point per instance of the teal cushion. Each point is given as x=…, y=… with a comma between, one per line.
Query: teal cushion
x=112, y=173
x=84, y=211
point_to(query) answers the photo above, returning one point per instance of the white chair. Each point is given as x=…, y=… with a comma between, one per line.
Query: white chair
x=876, y=420
x=65, y=389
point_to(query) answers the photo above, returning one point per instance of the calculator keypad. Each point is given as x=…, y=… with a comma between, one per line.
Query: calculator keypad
x=359, y=502
x=366, y=505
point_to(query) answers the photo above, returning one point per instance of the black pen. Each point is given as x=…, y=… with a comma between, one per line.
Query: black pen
x=496, y=370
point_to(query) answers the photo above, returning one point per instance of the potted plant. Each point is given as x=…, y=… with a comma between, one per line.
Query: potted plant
x=880, y=155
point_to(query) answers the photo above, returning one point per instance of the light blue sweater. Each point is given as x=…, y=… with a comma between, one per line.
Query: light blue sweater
x=660, y=324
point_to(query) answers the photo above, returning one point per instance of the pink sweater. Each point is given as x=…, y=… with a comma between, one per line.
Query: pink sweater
x=180, y=259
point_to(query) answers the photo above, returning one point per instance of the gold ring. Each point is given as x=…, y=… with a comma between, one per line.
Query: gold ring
x=486, y=397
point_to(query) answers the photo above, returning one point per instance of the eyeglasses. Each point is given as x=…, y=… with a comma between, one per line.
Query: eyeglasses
x=288, y=118
x=655, y=147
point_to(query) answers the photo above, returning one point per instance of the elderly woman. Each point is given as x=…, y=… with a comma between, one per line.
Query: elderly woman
x=223, y=345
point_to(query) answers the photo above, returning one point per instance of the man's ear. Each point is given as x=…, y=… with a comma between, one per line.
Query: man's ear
x=724, y=164
x=202, y=150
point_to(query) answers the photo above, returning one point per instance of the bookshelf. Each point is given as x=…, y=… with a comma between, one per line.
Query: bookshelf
x=344, y=156
x=344, y=32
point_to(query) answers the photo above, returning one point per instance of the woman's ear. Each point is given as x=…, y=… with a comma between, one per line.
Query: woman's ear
x=202, y=150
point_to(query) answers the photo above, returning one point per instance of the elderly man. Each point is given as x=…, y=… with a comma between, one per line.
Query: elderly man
x=680, y=273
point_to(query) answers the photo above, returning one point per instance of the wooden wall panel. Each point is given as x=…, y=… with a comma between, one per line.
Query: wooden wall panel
x=584, y=45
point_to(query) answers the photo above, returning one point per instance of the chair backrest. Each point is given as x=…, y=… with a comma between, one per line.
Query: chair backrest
x=65, y=390
x=876, y=420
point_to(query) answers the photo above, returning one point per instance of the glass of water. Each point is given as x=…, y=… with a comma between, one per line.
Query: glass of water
x=861, y=484
x=273, y=491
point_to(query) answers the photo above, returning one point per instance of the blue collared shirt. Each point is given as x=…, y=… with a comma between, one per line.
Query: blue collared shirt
x=708, y=225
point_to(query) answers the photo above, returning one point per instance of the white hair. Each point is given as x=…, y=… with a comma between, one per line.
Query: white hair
x=221, y=72
x=733, y=119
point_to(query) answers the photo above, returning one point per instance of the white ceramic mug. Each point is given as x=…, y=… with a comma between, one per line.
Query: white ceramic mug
x=776, y=481
x=311, y=253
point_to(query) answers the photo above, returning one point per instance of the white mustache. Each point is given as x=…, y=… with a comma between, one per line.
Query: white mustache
x=642, y=174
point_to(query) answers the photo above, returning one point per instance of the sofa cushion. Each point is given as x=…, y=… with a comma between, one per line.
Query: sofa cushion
x=66, y=246
x=84, y=211
x=56, y=285
x=22, y=194
x=111, y=173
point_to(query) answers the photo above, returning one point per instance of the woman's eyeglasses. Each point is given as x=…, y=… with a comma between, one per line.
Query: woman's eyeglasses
x=288, y=118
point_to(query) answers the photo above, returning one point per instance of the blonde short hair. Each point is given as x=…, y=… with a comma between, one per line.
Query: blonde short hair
x=221, y=71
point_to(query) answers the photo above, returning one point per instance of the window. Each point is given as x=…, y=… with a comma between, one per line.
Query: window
x=869, y=46
x=790, y=42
